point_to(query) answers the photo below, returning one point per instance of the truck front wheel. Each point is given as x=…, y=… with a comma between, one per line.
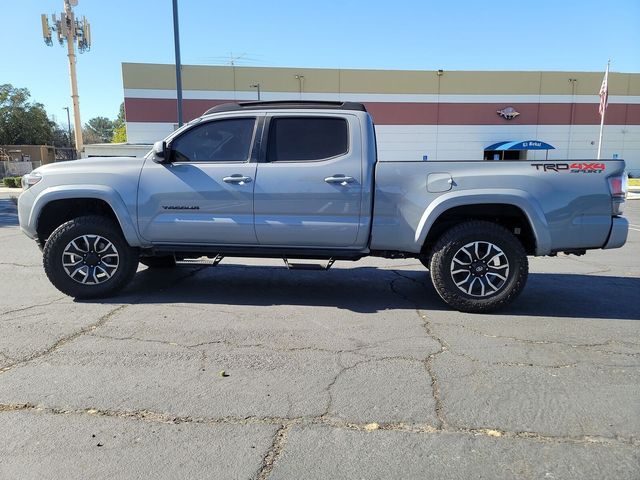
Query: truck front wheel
x=88, y=257
x=478, y=266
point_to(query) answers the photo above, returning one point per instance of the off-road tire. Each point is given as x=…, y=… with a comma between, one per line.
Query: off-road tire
x=88, y=225
x=461, y=235
x=164, y=261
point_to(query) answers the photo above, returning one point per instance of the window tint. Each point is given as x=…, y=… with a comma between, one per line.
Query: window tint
x=306, y=139
x=219, y=141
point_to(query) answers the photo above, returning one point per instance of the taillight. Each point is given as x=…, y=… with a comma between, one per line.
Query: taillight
x=618, y=189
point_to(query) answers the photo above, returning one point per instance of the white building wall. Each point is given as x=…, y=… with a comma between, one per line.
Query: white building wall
x=467, y=142
x=148, y=132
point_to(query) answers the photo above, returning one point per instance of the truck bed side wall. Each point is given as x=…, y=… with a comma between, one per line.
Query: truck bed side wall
x=566, y=210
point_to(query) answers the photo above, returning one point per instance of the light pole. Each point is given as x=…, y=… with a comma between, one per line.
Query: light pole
x=68, y=123
x=257, y=86
x=300, y=79
x=72, y=31
x=176, y=41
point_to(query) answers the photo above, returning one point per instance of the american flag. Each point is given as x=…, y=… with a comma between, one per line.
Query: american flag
x=604, y=93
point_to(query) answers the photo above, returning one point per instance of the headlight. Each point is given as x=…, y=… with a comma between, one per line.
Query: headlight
x=30, y=179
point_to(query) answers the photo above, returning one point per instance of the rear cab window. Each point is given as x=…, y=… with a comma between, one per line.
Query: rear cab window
x=307, y=139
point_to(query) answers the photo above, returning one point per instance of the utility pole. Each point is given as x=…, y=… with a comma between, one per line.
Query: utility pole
x=72, y=31
x=68, y=123
x=176, y=41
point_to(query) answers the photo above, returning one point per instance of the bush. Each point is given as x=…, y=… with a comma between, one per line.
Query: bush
x=12, y=182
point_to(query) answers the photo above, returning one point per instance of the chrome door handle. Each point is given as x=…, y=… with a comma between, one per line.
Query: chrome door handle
x=239, y=179
x=342, y=180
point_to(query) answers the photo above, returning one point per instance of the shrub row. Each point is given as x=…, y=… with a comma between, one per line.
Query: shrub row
x=15, y=182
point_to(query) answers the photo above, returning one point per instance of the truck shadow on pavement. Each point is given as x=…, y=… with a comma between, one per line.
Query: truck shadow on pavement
x=371, y=289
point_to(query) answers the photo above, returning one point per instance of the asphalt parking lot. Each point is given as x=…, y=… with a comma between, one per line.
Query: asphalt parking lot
x=246, y=370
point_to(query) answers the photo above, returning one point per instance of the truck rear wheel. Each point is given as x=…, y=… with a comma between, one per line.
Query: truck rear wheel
x=88, y=257
x=478, y=266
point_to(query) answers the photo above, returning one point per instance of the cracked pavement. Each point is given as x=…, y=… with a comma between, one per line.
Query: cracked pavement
x=358, y=372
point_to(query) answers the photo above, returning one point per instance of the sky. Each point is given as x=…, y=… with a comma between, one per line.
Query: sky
x=564, y=35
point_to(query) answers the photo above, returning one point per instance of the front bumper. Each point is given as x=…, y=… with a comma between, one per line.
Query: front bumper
x=618, y=234
x=25, y=204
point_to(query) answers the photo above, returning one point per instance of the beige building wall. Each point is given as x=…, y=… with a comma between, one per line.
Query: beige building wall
x=440, y=115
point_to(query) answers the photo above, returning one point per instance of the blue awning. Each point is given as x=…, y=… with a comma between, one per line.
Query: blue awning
x=526, y=145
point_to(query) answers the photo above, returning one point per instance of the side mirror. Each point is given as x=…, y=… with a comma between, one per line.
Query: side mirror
x=160, y=151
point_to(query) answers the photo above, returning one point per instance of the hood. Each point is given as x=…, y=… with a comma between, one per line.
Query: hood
x=97, y=164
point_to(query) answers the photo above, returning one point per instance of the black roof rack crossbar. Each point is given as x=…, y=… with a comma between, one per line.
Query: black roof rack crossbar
x=277, y=104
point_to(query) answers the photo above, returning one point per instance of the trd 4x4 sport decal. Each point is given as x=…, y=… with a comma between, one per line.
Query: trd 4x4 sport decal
x=570, y=167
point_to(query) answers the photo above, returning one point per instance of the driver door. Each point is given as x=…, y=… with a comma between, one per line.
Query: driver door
x=202, y=193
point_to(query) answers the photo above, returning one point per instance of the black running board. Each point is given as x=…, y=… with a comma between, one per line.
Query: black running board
x=307, y=266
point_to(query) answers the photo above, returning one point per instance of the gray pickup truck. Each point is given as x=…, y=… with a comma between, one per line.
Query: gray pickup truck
x=301, y=180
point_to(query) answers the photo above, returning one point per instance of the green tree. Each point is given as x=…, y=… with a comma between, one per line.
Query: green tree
x=119, y=127
x=22, y=122
x=60, y=137
x=98, y=130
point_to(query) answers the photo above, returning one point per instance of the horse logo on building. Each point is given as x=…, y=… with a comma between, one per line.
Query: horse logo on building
x=508, y=113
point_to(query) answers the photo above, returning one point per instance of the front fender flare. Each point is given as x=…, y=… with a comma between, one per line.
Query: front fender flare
x=518, y=198
x=99, y=192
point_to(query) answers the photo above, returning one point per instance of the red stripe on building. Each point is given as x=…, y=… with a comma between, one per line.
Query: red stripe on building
x=413, y=113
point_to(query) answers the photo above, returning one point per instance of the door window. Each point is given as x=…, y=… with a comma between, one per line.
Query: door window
x=219, y=141
x=299, y=139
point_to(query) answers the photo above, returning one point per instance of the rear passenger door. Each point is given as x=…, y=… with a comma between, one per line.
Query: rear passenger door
x=308, y=189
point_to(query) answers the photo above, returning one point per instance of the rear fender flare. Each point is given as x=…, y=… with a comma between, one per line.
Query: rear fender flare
x=518, y=198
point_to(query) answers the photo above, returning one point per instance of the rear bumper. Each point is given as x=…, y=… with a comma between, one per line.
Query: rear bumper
x=618, y=235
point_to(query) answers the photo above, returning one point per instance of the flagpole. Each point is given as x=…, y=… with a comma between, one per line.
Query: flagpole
x=604, y=109
x=600, y=139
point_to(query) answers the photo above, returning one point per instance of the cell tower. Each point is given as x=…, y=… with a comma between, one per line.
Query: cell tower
x=74, y=32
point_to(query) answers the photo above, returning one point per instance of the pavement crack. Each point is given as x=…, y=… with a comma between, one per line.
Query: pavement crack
x=526, y=364
x=144, y=340
x=285, y=425
x=511, y=364
x=22, y=265
x=429, y=366
x=608, y=342
x=46, y=304
x=341, y=372
x=64, y=340
x=230, y=344
x=84, y=330
x=278, y=444
x=430, y=360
